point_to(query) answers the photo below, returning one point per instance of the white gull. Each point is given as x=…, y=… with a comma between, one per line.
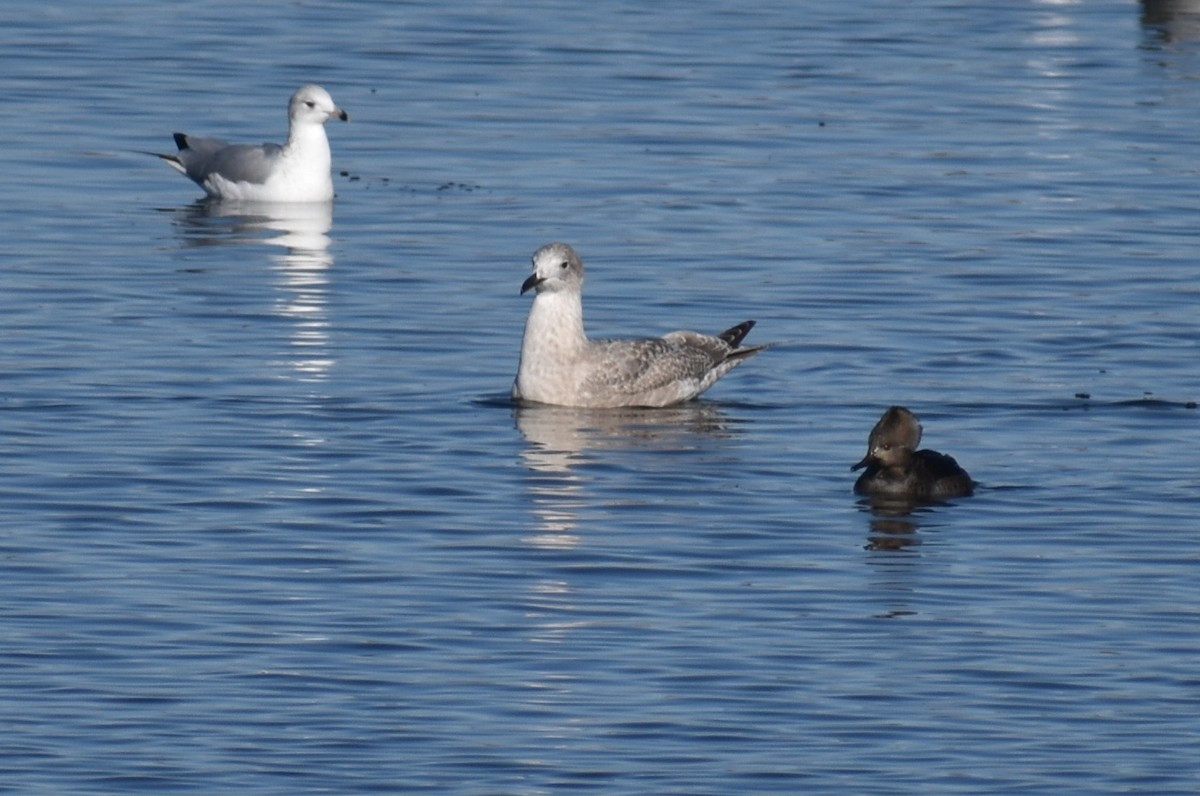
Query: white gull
x=298, y=171
x=560, y=365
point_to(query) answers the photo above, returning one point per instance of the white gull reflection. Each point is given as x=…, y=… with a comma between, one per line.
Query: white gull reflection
x=304, y=266
x=298, y=234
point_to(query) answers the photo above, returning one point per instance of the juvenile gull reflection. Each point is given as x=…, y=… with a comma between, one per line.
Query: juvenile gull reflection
x=562, y=438
x=561, y=444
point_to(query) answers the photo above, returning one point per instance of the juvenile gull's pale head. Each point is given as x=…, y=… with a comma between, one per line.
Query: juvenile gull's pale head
x=556, y=267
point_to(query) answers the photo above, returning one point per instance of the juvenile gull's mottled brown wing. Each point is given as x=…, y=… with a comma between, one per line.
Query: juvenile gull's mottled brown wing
x=670, y=369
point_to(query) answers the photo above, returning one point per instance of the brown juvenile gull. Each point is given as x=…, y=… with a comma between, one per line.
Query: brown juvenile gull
x=897, y=470
x=298, y=171
x=560, y=365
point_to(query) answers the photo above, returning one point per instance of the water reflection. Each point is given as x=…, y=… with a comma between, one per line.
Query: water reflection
x=895, y=578
x=300, y=231
x=1172, y=20
x=564, y=448
x=561, y=438
x=893, y=529
x=892, y=525
x=1051, y=55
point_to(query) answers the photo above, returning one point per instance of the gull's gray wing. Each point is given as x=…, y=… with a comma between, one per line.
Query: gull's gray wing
x=204, y=157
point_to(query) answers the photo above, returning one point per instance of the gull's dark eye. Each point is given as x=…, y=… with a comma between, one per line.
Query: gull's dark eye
x=311, y=104
x=565, y=265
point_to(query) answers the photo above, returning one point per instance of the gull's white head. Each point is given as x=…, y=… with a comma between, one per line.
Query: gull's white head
x=556, y=267
x=313, y=105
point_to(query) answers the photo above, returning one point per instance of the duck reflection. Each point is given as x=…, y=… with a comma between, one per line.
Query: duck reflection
x=893, y=524
x=563, y=438
x=299, y=232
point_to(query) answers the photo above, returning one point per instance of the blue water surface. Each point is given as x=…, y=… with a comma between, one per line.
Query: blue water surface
x=272, y=525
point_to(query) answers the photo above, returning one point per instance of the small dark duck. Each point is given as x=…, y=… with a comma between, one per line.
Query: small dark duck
x=896, y=470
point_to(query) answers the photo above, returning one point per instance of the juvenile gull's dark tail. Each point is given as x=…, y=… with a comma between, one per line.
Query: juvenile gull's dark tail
x=735, y=334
